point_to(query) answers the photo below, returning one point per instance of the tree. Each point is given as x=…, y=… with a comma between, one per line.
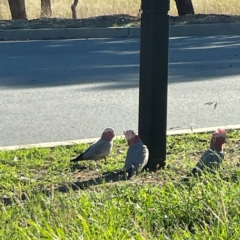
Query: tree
x=184, y=7
x=18, y=9
x=46, y=10
x=73, y=7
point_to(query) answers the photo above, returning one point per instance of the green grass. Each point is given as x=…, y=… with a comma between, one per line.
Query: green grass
x=152, y=206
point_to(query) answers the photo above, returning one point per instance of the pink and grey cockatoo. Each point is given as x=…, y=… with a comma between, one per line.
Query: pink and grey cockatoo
x=99, y=149
x=211, y=160
x=137, y=154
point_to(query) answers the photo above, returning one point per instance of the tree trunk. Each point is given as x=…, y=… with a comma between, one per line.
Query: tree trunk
x=184, y=7
x=73, y=7
x=46, y=10
x=139, y=12
x=18, y=9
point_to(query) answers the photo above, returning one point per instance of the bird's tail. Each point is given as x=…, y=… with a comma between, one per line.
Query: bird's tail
x=76, y=159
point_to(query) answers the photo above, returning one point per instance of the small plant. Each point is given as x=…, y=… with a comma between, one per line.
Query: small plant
x=115, y=25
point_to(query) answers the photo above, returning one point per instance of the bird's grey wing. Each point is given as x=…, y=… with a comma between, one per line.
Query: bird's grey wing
x=98, y=150
x=87, y=153
x=145, y=156
x=221, y=154
x=210, y=160
x=137, y=155
x=82, y=156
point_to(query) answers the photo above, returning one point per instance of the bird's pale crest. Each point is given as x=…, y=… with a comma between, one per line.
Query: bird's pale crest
x=220, y=133
x=129, y=134
x=109, y=129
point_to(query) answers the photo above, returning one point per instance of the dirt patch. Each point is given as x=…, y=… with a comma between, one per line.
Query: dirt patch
x=120, y=20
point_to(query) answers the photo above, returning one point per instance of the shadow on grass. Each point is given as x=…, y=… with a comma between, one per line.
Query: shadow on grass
x=106, y=177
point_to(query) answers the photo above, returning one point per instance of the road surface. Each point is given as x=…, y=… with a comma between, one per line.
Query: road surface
x=73, y=89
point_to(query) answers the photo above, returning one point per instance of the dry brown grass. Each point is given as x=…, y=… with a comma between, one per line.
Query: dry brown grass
x=90, y=8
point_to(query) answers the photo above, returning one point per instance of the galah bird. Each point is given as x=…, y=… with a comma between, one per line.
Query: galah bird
x=213, y=157
x=137, y=154
x=99, y=149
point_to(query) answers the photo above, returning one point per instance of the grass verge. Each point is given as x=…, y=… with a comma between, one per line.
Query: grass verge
x=38, y=201
x=92, y=8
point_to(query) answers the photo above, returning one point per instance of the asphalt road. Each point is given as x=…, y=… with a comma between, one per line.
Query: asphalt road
x=73, y=89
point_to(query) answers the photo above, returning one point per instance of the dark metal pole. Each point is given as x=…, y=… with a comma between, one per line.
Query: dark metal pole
x=154, y=79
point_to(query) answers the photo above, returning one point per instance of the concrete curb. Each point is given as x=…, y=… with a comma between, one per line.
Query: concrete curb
x=205, y=29
x=91, y=140
x=131, y=32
